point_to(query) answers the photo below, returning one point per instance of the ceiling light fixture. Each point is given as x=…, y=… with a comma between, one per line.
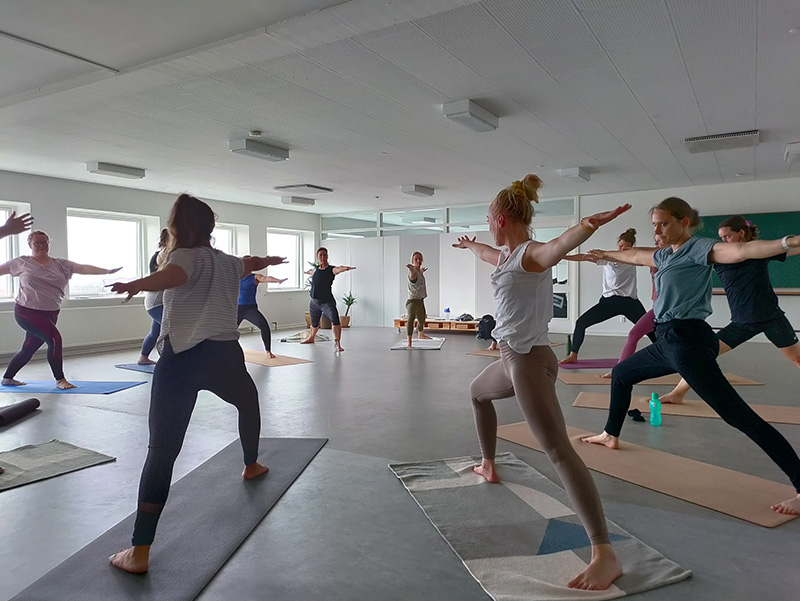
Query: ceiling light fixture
x=417, y=190
x=258, y=150
x=575, y=174
x=419, y=220
x=470, y=115
x=298, y=200
x=115, y=170
x=332, y=235
x=716, y=142
x=791, y=152
x=303, y=189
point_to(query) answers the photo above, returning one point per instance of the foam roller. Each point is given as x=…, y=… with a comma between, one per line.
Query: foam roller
x=17, y=410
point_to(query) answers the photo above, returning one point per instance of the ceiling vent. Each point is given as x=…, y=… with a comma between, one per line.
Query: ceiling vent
x=298, y=200
x=739, y=139
x=791, y=152
x=303, y=189
x=470, y=115
x=115, y=170
x=259, y=150
x=575, y=174
x=417, y=190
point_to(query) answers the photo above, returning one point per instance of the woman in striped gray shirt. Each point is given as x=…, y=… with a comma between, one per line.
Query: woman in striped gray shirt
x=199, y=351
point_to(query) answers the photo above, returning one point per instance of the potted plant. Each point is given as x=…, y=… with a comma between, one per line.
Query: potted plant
x=349, y=301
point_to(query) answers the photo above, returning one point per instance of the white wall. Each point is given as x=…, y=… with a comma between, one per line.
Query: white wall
x=721, y=199
x=87, y=322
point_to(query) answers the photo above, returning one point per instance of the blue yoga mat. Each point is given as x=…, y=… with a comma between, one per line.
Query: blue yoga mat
x=147, y=369
x=48, y=386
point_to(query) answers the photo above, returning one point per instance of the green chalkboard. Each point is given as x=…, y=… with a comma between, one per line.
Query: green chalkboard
x=785, y=276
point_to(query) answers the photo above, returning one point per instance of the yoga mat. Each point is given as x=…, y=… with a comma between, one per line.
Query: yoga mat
x=670, y=380
x=434, y=344
x=13, y=412
x=496, y=354
x=739, y=495
x=262, y=358
x=146, y=369
x=34, y=462
x=210, y=512
x=300, y=336
x=590, y=364
x=519, y=538
x=690, y=408
x=82, y=387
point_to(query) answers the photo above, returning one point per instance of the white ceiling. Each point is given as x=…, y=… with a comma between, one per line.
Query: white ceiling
x=354, y=91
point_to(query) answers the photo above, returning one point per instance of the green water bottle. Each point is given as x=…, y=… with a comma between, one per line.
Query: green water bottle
x=655, y=410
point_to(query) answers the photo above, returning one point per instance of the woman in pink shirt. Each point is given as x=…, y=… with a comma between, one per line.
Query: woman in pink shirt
x=43, y=282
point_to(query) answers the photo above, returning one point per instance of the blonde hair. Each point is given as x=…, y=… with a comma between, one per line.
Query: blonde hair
x=679, y=208
x=516, y=201
x=628, y=236
x=190, y=224
x=38, y=233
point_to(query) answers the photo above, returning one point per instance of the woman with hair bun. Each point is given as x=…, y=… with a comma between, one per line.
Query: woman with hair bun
x=619, y=294
x=752, y=301
x=523, y=289
x=685, y=343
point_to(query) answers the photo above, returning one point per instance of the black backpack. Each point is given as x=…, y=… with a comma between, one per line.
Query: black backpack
x=485, y=327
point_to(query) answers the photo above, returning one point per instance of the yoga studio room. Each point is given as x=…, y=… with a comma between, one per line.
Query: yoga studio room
x=408, y=300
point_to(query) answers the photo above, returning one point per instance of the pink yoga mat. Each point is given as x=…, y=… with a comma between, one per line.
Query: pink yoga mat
x=590, y=364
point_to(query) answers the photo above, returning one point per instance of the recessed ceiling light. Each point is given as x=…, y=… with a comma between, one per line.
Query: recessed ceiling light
x=794, y=30
x=540, y=166
x=739, y=174
x=383, y=154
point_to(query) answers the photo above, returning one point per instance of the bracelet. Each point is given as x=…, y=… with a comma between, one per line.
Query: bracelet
x=784, y=244
x=591, y=230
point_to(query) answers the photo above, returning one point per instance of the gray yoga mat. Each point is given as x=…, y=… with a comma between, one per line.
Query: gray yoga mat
x=210, y=512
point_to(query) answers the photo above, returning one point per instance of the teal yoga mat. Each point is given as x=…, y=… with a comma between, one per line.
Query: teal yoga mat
x=82, y=387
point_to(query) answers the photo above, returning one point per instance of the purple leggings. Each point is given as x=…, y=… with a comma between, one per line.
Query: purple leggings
x=645, y=325
x=40, y=328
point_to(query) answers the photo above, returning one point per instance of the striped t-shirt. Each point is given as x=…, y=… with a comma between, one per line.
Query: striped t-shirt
x=204, y=308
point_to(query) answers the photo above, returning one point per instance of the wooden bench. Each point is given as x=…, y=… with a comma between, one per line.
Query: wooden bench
x=442, y=324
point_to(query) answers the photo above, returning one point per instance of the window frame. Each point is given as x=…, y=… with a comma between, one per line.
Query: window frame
x=306, y=250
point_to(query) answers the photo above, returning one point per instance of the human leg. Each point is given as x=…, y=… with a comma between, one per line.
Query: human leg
x=603, y=310
x=149, y=343
x=491, y=384
x=646, y=324
x=314, y=313
x=40, y=328
x=411, y=315
x=330, y=310
x=781, y=333
x=254, y=316
x=423, y=315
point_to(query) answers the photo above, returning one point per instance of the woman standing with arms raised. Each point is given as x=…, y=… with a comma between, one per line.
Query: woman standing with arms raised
x=685, y=342
x=199, y=351
x=322, y=300
x=43, y=283
x=417, y=293
x=523, y=289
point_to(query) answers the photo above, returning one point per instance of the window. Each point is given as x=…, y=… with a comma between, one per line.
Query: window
x=224, y=238
x=6, y=253
x=108, y=240
x=298, y=248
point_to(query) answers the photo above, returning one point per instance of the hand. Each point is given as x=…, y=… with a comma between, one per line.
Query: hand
x=597, y=254
x=17, y=225
x=277, y=260
x=410, y=267
x=349, y=268
x=598, y=219
x=115, y=270
x=129, y=288
x=590, y=257
x=424, y=269
x=282, y=281
x=464, y=241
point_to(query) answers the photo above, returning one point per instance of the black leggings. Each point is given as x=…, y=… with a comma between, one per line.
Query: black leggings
x=608, y=307
x=40, y=328
x=254, y=316
x=690, y=347
x=216, y=366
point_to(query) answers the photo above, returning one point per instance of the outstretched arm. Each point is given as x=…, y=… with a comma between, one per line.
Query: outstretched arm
x=484, y=252
x=736, y=252
x=413, y=272
x=252, y=264
x=539, y=257
x=92, y=270
x=16, y=225
x=268, y=279
x=632, y=256
x=169, y=276
x=341, y=269
x=580, y=257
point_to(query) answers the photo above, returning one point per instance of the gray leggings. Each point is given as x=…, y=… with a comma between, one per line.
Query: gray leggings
x=415, y=308
x=532, y=378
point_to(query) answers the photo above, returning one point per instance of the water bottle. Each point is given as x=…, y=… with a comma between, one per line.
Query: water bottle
x=655, y=410
x=447, y=313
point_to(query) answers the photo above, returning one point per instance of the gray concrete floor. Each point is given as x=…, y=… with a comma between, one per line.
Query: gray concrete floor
x=347, y=530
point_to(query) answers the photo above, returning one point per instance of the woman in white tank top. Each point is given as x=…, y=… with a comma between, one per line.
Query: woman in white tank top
x=523, y=288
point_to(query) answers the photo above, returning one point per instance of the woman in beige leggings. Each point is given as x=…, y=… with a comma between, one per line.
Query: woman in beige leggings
x=523, y=290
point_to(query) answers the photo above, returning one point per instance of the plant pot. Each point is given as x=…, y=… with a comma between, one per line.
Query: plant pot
x=344, y=320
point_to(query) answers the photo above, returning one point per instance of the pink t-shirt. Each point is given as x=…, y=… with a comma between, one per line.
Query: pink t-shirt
x=41, y=287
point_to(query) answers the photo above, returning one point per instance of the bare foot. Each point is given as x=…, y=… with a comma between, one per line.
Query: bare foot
x=133, y=560
x=309, y=340
x=424, y=336
x=571, y=358
x=672, y=398
x=487, y=470
x=2, y=471
x=62, y=384
x=606, y=375
x=337, y=347
x=791, y=506
x=270, y=354
x=254, y=470
x=12, y=382
x=145, y=361
x=612, y=442
x=601, y=572
x=493, y=347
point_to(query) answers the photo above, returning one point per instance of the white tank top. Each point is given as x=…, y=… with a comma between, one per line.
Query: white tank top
x=619, y=279
x=524, y=302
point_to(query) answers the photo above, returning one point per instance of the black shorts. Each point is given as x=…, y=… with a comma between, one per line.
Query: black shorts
x=317, y=307
x=779, y=332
